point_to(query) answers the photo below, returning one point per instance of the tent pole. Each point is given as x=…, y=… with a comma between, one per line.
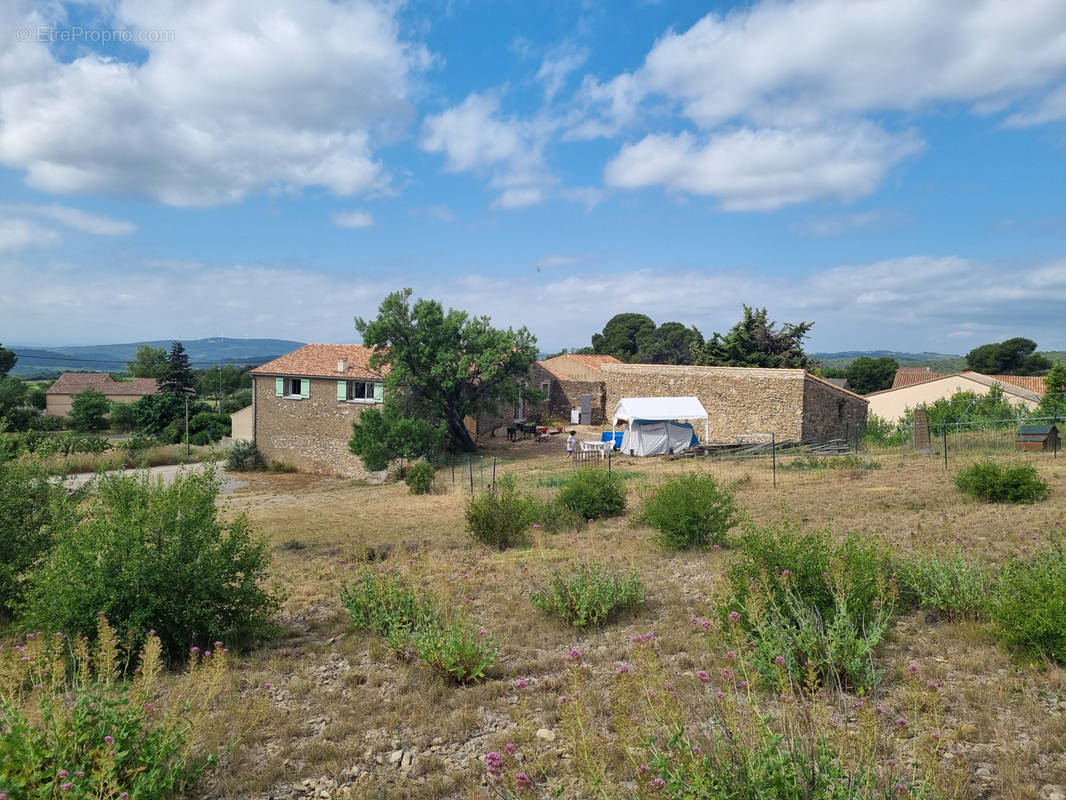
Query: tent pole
x=706, y=429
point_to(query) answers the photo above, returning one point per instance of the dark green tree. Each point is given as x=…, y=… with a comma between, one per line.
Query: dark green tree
x=88, y=411
x=619, y=337
x=150, y=362
x=12, y=401
x=756, y=341
x=7, y=361
x=443, y=367
x=866, y=374
x=1053, y=401
x=153, y=414
x=177, y=377
x=381, y=435
x=1015, y=356
x=670, y=343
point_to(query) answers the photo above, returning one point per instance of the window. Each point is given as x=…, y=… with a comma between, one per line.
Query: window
x=546, y=387
x=292, y=388
x=360, y=391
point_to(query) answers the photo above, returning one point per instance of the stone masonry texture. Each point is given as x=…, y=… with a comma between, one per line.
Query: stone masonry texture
x=311, y=434
x=741, y=400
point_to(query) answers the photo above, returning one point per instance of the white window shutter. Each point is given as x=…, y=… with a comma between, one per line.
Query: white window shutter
x=379, y=392
x=305, y=388
x=279, y=387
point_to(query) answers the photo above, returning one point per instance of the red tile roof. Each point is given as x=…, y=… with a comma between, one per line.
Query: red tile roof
x=320, y=361
x=592, y=361
x=1031, y=382
x=75, y=382
x=909, y=376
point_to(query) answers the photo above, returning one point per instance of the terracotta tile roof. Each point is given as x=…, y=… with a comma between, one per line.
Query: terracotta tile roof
x=75, y=382
x=1033, y=383
x=909, y=376
x=320, y=361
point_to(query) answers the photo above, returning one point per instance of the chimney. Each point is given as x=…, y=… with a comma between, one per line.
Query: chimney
x=342, y=365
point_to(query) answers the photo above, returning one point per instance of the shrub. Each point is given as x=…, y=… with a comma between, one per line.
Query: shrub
x=588, y=595
x=244, y=457
x=409, y=620
x=155, y=557
x=420, y=477
x=553, y=517
x=800, y=598
x=80, y=733
x=594, y=493
x=381, y=602
x=847, y=461
x=501, y=516
x=994, y=483
x=956, y=587
x=1028, y=605
x=32, y=510
x=282, y=467
x=691, y=511
x=459, y=651
x=88, y=411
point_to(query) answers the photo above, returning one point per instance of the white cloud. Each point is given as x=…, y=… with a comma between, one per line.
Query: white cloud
x=474, y=136
x=875, y=220
x=18, y=234
x=233, y=103
x=762, y=169
x=353, y=219
x=1050, y=108
x=441, y=211
x=557, y=66
x=95, y=224
x=787, y=63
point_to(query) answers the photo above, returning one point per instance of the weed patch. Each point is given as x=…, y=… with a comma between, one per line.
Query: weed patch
x=589, y=595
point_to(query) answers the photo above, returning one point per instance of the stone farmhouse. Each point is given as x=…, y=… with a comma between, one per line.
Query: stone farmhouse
x=791, y=403
x=304, y=404
x=60, y=396
x=564, y=379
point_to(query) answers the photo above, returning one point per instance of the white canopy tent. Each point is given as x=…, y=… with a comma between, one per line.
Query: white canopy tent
x=661, y=437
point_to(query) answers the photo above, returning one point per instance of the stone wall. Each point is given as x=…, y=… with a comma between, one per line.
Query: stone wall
x=564, y=394
x=738, y=400
x=829, y=413
x=311, y=434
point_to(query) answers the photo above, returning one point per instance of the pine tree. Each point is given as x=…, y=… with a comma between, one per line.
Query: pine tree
x=177, y=378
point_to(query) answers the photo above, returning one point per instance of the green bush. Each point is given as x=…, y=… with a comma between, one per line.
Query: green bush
x=32, y=510
x=420, y=476
x=805, y=602
x=459, y=652
x=381, y=602
x=282, y=467
x=244, y=457
x=956, y=587
x=155, y=557
x=79, y=733
x=691, y=511
x=501, y=516
x=1028, y=605
x=589, y=595
x=409, y=620
x=994, y=483
x=594, y=493
x=553, y=517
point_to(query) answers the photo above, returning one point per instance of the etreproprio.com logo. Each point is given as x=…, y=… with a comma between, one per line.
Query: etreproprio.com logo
x=48, y=35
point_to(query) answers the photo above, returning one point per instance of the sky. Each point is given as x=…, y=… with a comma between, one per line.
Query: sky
x=892, y=170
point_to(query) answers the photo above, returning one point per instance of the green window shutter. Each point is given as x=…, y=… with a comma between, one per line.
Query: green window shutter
x=305, y=388
x=279, y=387
x=342, y=390
x=379, y=392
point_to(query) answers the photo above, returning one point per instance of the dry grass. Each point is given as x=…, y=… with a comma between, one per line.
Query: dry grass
x=338, y=703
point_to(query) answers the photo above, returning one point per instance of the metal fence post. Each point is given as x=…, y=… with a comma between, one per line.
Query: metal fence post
x=773, y=455
x=470, y=465
x=945, y=447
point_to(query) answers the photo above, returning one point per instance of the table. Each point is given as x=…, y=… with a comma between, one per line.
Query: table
x=604, y=448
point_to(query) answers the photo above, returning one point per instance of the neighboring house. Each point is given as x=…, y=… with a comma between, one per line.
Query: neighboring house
x=242, y=424
x=564, y=379
x=908, y=376
x=840, y=383
x=791, y=403
x=60, y=396
x=304, y=404
x=892, y=404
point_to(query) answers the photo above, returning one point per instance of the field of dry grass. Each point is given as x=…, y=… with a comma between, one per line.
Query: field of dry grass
x=324, y=710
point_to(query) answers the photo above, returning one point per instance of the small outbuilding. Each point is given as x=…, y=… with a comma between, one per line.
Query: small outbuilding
x=1037, y=438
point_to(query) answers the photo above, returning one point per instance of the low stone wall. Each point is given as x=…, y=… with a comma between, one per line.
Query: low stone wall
x=311, y=434
x=738, y=400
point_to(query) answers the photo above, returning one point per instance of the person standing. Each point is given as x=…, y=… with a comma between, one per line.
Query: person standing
x=571, y=443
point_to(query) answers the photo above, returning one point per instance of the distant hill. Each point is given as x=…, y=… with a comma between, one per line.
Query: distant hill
x=938, y=362
x=113, y=357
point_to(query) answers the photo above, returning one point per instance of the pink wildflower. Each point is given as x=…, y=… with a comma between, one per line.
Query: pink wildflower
x=703, y=676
